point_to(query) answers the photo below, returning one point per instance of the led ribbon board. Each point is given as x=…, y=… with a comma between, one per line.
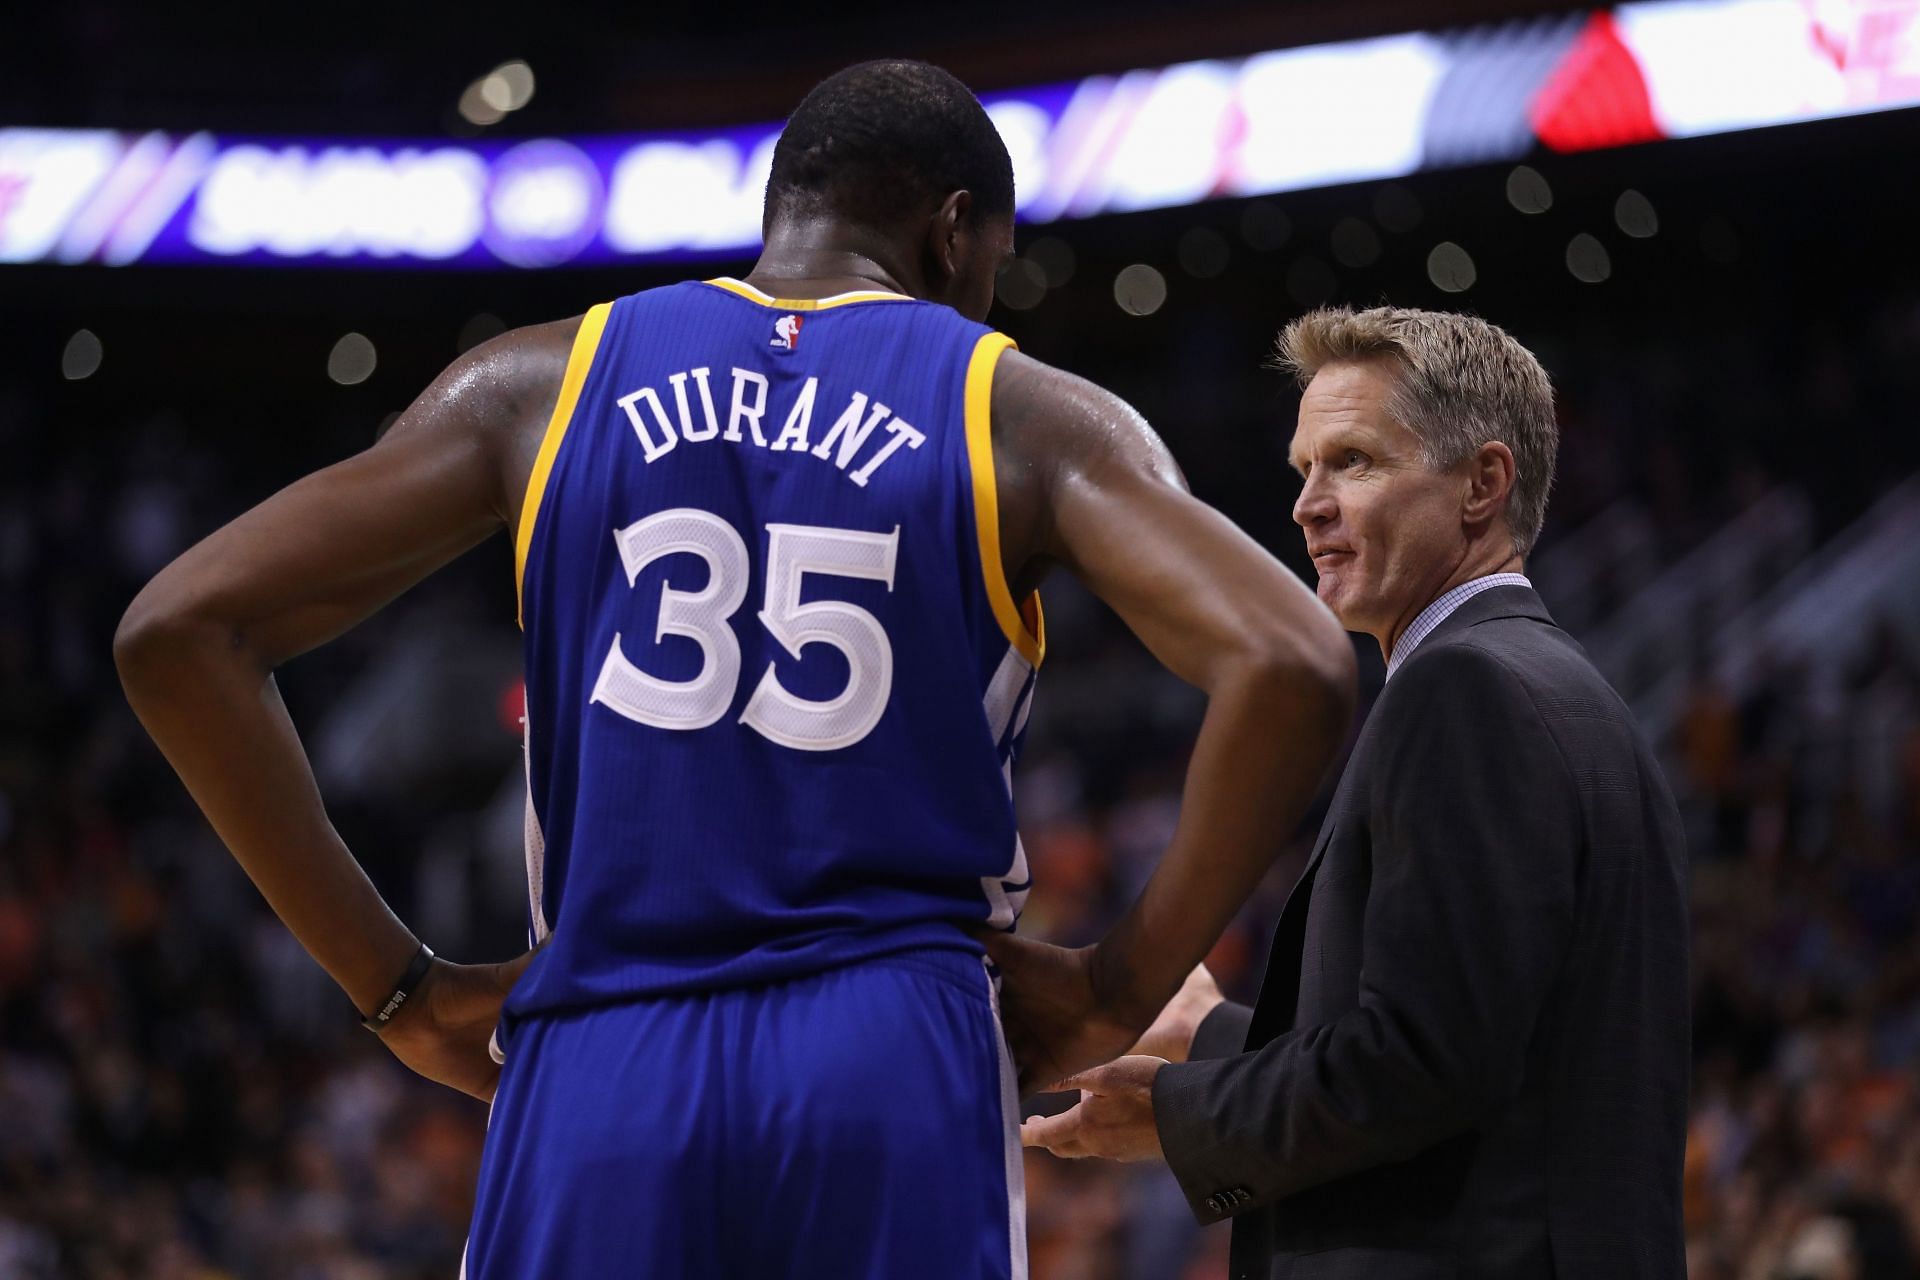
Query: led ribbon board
x=1280, y=121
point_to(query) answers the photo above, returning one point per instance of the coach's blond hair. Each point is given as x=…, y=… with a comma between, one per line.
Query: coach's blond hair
x=1461, y=382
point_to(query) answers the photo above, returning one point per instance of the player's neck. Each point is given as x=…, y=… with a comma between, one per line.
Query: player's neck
x=821, y=259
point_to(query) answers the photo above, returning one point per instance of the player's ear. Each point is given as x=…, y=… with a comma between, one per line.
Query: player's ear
x=945, y=233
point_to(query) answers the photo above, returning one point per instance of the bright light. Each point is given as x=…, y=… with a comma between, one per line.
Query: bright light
x=1451, y=268
x=668, y=195
x=1633, y=213
x=352, y=360
x=1587, y=259
x=1527, y=190
x=81, y=359
x=1139, y=289
x=1169, y=152
x=47, y=177
x=1366, y=110
x=474, y=109
x=508, y=87
x=505, y=89
x=1294, y=139
x=341, y=201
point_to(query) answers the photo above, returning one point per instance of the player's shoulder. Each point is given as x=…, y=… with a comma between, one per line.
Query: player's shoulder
x=1050, y=414
x=525, y=362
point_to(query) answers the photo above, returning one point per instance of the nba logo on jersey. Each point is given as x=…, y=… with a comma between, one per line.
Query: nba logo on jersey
x=786, y=333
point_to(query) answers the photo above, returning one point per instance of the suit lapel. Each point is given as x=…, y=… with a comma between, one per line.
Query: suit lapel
x=1280, y=992
x=1494, y=602
x=1280, y=987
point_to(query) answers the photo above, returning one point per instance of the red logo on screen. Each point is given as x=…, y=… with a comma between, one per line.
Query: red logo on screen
x=786, y=333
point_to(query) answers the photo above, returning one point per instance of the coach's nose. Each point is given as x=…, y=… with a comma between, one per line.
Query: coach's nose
x=1316, y=506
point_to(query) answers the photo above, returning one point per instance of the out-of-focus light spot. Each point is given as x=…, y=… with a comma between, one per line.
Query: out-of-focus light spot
x=481, y=328
x=81, y=359
x=508, y=87
x=474, y=108
x=1355, y=244
x=352, y=360
x=1310, y=281
x=1203, y=252
x=1527, y=190
x=1451, y=268
x=1396, y=210
x=1587, y=259
x=1054, y=257
x=1021, y=285
x=1719, y=241
x=1633, y=213
x=1264, y=226
x=1139, y=289
x=512, y=707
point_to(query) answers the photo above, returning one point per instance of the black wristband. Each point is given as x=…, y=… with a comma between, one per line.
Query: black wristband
x=377, y=1021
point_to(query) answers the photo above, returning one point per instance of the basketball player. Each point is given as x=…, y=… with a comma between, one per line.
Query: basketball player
x=777, y=542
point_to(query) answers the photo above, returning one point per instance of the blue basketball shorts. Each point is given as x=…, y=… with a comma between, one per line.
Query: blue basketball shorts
x=858, y=1124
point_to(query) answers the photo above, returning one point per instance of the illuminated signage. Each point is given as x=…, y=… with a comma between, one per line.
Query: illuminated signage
x=1146, y=139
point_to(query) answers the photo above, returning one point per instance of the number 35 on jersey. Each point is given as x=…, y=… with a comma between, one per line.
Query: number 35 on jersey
x=793, y=551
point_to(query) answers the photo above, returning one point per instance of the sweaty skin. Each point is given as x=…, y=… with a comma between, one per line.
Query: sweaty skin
x=1084, y=484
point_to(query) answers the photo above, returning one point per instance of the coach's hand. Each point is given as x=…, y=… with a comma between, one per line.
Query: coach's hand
x=1113, y=1119
x=442, y=1033
x=1171, y=1035
x=1057, y=1019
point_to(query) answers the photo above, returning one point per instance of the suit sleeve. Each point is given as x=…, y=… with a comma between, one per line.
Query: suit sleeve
x=1222, y=1033
x=1475, y=844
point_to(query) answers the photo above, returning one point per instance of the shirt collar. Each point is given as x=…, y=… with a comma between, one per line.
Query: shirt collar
x=1437, y=612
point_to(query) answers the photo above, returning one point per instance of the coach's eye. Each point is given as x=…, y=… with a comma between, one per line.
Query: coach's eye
x=1355, y=458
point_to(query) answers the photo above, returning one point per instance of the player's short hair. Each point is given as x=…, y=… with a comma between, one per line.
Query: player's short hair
x=883, y=140
x=1461, y=383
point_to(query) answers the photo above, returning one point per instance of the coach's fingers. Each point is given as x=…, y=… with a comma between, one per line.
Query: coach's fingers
x=1093, y=1080
x=1059, y=1134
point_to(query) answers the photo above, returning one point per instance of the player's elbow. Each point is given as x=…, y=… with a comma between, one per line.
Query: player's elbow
x=154, y=634
x=1306, y=657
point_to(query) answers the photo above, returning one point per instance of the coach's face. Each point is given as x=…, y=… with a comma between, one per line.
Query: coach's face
x=1384, y=530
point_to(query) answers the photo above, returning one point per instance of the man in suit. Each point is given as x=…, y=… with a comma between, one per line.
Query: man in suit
x=1470, y=1054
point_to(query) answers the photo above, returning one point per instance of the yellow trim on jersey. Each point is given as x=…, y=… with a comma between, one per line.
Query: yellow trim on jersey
x=751, y=294
x=1024, y=625
x=585, y=343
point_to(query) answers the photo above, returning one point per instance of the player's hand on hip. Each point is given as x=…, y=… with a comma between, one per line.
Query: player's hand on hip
x=442, y=1033
x=1113, y=1119
x=1056, y=1019
x=1171, y=1035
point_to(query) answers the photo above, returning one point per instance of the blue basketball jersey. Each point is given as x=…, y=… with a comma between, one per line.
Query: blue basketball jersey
x=775, y=676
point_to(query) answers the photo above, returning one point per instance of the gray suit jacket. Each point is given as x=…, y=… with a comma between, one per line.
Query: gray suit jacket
x=1470, y=1054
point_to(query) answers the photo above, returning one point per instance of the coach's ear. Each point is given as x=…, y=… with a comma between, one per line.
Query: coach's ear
x=1489, y=475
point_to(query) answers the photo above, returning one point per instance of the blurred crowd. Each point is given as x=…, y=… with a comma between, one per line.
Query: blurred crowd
x=183, y=1096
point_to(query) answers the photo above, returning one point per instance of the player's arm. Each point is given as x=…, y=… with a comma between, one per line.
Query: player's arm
x=1087, y=485
x=198, y=647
